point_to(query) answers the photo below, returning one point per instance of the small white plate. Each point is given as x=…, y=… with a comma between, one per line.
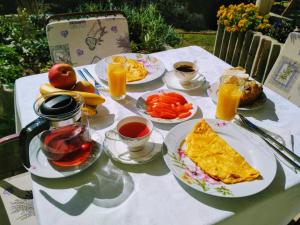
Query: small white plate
x=213, y=90
x=153, y=65
x=141, y=106
x=172, y=82
x=119, y=151
x=40, y=166
x=250, y=148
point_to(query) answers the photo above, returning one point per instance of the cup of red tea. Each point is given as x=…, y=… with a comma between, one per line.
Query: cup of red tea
x=134, y=131
x=185, y=71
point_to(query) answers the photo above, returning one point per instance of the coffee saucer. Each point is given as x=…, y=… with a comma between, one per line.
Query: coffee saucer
x=119, y=151
x=172, y=82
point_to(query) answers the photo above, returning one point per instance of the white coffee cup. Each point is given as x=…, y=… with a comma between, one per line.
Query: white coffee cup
x=185, y=71
x=134, y=131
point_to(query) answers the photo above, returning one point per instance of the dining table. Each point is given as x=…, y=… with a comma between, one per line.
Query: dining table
x=110, y=192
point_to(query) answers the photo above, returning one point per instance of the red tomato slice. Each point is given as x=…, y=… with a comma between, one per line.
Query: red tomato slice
x=184, y=115
x=154, y=114
x=167, y=115
x=152, y=98
x=188, y=106
x=179, y=97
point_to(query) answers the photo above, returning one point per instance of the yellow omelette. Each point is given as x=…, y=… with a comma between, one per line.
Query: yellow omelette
x=135, y=70
x=216, y=157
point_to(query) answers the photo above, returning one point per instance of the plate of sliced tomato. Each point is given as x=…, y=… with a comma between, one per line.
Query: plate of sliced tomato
x=166, y=106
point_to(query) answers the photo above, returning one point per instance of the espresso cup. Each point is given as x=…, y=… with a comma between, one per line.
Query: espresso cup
x=134, y=131
x=185, y=71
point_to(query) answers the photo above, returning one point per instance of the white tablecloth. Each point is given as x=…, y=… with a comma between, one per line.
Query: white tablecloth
x=109, y=193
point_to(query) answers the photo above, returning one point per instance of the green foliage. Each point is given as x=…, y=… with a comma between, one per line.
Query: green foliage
x=9, y=64
x=280, y=30
x=147, y=29
x=24, y=44
x=177, y=13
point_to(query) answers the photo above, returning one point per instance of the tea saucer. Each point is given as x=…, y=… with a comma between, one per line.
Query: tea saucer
x=172, y=82
x=40, y=165
x=119, y=151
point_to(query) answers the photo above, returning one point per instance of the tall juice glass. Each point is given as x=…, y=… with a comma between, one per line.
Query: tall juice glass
x=116, y=73
x=228, y=100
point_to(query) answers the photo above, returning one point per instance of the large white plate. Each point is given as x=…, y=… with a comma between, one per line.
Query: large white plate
x=237, y=137
x=141, y=106
x=40, y=166
x=153, y=65
x=212, y=93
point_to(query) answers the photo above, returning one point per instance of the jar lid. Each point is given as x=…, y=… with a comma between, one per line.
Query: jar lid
x=58, y=104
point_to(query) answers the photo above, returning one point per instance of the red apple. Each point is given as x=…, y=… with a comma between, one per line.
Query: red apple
x=62, y=76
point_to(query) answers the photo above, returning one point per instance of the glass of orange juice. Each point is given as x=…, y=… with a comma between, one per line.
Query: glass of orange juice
x=116, y=73
x=228, y=101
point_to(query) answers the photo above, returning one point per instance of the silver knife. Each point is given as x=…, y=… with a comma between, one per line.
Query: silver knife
x=269, y=138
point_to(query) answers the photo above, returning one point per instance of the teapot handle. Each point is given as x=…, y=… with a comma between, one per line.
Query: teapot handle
x=27, y=134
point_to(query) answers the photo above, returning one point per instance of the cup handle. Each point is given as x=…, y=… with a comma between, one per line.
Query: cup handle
x=113, y=135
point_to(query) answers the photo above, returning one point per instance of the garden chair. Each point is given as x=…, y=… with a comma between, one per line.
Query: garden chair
x=16, y=202
x=284, y=76
x=85, y=38
x=255, y=52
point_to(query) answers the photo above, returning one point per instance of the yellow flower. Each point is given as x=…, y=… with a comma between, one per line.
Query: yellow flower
x=226, y=22
x=242, y=23
x=219, y=13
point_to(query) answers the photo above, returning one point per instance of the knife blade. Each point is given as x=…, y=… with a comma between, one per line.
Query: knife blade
x=269, y=138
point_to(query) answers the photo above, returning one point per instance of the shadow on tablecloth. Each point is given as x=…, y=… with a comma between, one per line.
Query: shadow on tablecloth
x=103, y=184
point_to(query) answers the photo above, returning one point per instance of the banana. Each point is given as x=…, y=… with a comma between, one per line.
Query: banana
x=89, y=110
x=89, y=98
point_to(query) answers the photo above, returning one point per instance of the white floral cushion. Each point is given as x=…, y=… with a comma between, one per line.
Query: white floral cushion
x=284, y=77
x=86, y=41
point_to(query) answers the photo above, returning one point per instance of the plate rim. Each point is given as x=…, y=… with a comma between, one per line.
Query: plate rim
x=181, y=89
x=96, y=68
x=165, y=121
x=34, y=171
x=272, y=161
x=244, y=108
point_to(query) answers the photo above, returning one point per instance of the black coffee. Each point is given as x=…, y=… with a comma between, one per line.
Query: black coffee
x=185, y=68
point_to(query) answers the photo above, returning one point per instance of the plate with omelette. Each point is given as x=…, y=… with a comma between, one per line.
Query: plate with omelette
x=252, y=97
x=142, y=68
x=219, y=158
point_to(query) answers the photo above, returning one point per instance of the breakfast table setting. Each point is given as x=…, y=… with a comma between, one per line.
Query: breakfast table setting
x=154, y=176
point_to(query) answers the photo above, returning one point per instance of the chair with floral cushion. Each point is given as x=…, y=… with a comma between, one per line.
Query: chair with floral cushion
x=85, y=38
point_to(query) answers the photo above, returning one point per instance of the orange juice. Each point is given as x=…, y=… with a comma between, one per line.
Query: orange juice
x=228, y=100
x=116, y=80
